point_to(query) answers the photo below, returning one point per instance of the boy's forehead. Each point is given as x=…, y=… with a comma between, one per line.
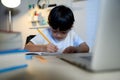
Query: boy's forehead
x=59, y=30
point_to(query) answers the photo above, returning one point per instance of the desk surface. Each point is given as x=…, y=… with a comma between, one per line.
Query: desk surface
x=56, y=69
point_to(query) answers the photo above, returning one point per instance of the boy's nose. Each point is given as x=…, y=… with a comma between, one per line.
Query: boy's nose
x=58, y=35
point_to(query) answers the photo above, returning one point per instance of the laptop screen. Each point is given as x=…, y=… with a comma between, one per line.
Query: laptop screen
x=106, y=51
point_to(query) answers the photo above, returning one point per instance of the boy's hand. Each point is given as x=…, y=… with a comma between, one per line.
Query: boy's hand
x=51, y=48
x=70, y=49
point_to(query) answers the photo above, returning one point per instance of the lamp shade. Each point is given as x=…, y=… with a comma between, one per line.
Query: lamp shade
x=11, y=3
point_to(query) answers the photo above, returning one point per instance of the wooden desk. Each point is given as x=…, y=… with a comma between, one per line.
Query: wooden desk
x=56, y=69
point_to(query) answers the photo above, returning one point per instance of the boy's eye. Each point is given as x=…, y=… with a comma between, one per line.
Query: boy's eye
x=54, y=31
x=59, y=32
x=64, y=32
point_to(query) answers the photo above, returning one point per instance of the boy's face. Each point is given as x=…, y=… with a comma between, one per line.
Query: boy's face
x=59, y=35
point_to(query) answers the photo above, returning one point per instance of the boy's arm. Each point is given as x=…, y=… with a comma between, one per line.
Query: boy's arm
x=82, y=48
x=40, y=48
x=35, y=48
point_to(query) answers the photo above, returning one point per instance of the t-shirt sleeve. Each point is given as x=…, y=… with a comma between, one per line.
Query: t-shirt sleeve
x=77, y=39
x=38, y=39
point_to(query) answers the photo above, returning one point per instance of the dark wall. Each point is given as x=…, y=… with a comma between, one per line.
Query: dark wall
x=3, y=17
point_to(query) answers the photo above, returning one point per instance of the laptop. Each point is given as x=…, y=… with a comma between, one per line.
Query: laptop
x=105, y=55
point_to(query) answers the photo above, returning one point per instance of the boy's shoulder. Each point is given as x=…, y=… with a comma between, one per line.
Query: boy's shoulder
x=72, y=32
x=46, y=30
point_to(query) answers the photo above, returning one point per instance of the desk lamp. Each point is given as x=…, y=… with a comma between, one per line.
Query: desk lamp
x=10, y=4
x=10, y=40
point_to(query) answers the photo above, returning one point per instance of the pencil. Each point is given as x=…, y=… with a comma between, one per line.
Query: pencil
x=43, y=36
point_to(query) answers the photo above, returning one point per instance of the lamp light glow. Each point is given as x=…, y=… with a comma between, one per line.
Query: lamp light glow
x=11, y=3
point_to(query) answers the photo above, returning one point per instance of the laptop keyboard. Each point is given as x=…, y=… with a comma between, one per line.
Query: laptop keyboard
x=86, y=57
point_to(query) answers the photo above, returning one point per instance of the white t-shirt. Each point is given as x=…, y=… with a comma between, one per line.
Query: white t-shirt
x=72, y=39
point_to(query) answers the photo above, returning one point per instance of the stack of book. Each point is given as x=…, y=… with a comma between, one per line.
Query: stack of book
x=12, y=59
x=12, y=56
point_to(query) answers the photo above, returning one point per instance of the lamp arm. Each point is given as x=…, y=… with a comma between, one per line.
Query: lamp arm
x=10, y=21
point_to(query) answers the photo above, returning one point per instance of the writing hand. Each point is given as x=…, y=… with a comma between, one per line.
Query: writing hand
x=51, y=48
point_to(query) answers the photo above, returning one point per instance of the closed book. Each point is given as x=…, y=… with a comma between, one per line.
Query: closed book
x=10, y=40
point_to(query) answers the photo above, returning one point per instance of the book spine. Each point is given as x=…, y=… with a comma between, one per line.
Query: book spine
x=13, y=68
x=13, y=51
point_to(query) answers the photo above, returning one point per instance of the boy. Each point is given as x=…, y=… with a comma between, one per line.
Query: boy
x=63, y=38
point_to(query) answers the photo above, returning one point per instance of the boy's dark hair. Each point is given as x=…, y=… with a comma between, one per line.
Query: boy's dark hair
x=61, y=17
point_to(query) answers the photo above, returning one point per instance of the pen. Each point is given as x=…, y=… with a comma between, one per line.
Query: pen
x=31, y=53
